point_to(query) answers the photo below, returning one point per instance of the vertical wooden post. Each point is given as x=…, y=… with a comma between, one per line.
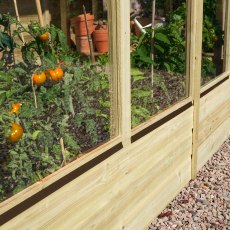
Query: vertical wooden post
x=46, y=13
x=227, y=37
x=95, y=9
x=18, y=19
x=188, y=48
x=123, y=68
x=65, y=24
x=195, y=37
x=114, y=104
x=152, y=41
x=39, y=10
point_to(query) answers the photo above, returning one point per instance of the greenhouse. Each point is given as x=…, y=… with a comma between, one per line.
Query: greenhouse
x=108, y=108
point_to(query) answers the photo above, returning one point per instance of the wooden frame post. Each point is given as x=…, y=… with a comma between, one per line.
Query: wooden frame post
x=65, y=24
x=39, y=10
x=113, y=84
x=195, y=37
x=227, y=37
x=46, y=14
x=123, y=68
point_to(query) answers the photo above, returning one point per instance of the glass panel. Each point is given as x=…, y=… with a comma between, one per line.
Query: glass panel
x=212, y=40
x=158, y=54
x=55, y=104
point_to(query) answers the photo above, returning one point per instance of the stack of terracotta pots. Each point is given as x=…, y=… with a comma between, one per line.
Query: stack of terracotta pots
x=99, y=34
x=101, y=40
x=78, y=23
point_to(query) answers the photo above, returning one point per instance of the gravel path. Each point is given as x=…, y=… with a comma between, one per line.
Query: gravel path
x=205, y=202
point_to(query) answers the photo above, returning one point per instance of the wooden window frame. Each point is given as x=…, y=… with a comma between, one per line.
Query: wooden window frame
x=121, y=99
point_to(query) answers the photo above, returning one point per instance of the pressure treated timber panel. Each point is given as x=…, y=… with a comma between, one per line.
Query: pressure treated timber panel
x=213, y=143
x=126, y=190
x=214, y=99
x=214, y=125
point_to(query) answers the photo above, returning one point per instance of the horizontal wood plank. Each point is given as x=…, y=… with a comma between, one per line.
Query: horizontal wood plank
x=112, y=189
x=212, y=143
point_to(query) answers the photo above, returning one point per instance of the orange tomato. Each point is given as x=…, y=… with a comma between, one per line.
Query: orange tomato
x=59, y=72
x=15, y=108
x=53, y=75
x=16, y=133
x=47, y=73
x=44, y=37
x=39, y=79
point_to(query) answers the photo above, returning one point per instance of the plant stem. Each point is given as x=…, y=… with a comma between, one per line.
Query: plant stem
x=34, y=93
x=89, y=37
x=63, y=152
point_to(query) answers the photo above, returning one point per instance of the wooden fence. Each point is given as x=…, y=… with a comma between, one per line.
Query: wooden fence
x=127, y=182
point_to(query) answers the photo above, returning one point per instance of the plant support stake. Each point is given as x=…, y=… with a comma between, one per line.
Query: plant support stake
x=18, y=19
x=34, y=93
x=89, y=37
x=39, y=10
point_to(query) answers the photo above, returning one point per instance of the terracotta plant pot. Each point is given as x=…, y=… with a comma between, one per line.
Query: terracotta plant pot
x=101, y=40
x=78, y=23
x=82, y=45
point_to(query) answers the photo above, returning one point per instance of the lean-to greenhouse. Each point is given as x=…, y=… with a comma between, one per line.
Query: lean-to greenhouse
x=108, y=108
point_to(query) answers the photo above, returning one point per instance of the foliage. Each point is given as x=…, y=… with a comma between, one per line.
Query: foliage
x=208, y=67
x=212, y=39
x=172, y=56
x=7, y=43
x=75, y=108
x=167, y=85
x=169, y=45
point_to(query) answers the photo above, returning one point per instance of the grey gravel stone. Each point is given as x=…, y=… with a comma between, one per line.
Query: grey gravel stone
x=205, y=203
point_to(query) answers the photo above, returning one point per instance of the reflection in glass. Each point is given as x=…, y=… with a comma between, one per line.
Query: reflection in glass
x=212, y=40
x=55, y=102
x=158, y=65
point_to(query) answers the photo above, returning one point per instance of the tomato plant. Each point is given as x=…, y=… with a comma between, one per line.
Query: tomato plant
x=67, y=108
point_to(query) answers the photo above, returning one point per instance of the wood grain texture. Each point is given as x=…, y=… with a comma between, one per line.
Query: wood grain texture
x=214, y=121
x=65, y=24
x=130, y=188
x=196, y=20
x=49, y=180
x=227, y=37
x=212, y=143
x=115, y=102
x=123, y=67
x=125, y=190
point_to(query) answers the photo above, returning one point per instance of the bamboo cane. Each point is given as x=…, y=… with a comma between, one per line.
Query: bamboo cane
x=39, y=10
x=89, y=37
x=18, y=19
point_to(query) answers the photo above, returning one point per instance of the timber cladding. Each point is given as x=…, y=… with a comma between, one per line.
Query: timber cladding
x=144, y=176
x=126, y=186
x=130, y=187
x=214, y=121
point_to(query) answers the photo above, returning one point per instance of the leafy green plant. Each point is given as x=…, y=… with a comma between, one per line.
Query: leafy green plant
x=72, y=113
x=169, y=45
x=170, y=55
x=7, y=43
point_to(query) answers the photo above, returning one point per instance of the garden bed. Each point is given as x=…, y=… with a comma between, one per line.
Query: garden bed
x=149, y=99
x=55, y=105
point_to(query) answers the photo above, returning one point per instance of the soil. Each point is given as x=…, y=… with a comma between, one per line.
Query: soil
x=167, y=89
